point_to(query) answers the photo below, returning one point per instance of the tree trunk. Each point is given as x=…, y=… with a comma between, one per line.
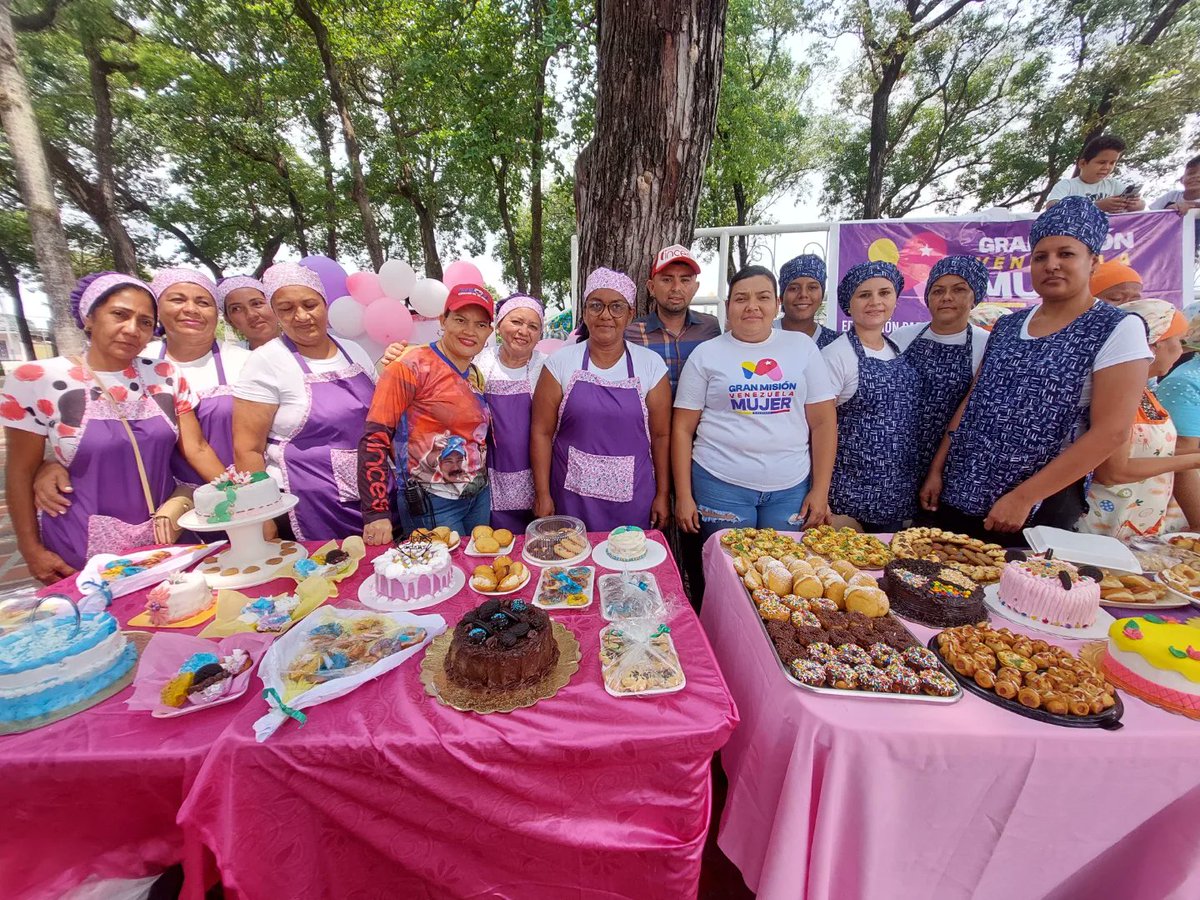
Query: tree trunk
x=428, y=225
x=337, y=94
x=878, y=152
x=105, y=212
x=12, y=284
x=739, y=203
x=37, y=189
x=537, y=154
x=325, y=142
x=638, y=180
x=279, y=163
x=510, y=234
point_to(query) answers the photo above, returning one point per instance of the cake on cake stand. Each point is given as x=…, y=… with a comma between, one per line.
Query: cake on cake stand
x=250, y=559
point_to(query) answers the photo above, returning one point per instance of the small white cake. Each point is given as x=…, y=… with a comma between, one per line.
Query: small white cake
x=180, y=597
x=234, y=493
x=627, y=543
x=412, y=571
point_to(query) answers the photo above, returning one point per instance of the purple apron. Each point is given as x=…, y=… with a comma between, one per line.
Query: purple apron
x=108, y=507
x=319, y=461
x=214, y=410
x=601, y=470
x=511, y=479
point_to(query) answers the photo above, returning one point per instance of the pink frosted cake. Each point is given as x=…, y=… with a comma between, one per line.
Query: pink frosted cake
x=1051, y=591
x=412, y=571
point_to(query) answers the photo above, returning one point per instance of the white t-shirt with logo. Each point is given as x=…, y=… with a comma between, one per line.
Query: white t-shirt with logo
x=753, y=431
x=1077, y=187
x=906, y=334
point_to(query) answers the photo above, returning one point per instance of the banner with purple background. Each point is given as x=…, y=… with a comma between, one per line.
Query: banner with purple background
x=1151, y=242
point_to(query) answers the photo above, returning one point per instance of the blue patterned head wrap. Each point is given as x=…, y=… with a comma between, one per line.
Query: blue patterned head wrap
x=1074, y=217
x=806, y=265
x=968, y=268
x=860, y=273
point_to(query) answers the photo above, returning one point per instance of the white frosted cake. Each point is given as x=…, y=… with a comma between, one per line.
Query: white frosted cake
x=412, y=571
x=50, y=664
x=234, y=493
x=180, y=597
x=627, y=543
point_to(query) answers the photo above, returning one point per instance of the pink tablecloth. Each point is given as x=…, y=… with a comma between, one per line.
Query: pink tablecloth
x=383, y=792
x=860, y=798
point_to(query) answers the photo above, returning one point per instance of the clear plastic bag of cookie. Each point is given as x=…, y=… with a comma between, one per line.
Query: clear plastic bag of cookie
x=632, y=595
x=638, y=657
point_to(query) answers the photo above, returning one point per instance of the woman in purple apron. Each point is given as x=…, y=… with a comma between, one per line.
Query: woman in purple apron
x=600, y=439
x=1022, y=446
x=300, y=407
x=114, y=419
x=955, y=285
x=510, y=372
x=243, y=301
x=875, y=475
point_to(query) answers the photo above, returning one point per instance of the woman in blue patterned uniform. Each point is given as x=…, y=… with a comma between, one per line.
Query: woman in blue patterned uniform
x=802, y=294
x=1021, y=449
x=875, y=475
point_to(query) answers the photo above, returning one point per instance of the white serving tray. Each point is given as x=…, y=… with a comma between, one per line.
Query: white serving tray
x=1083, y=549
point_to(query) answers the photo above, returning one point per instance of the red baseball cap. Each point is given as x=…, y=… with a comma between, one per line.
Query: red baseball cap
x=471, y=295
x=676, y=253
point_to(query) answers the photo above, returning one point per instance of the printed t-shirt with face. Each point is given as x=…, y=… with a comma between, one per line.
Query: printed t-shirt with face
x=201, y=374
x=447, y=423
x=753, y=430
x=271, y=374
x=48, y=397
x=839, y=356
x=1077, y=187
x=906, y=334
x=648, y=366
x=1126, y=343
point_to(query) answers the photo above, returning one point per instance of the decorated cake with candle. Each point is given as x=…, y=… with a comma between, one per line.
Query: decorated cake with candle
x=180, y=597
x=413, y=570
x=500, y=645
x=1156, y=659
x=1051, y=591
x=234, y=493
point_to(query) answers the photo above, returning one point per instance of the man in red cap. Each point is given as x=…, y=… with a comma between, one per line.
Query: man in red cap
x=671, y=329
x=438, y=390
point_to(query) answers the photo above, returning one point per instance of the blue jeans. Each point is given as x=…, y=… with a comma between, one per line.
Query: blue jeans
x=725, y=505
x=459, y=515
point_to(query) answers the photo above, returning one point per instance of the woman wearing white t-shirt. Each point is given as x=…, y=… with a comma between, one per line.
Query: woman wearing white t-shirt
x=600, y=438
x=1023, y=443
x=875, y=476
x=301, y=405
x=760, y=407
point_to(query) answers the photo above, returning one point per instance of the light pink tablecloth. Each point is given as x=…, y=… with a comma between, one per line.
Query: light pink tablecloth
x=881, y=799
x=387, y=793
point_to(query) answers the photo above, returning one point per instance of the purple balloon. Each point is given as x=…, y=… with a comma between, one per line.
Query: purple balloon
x=333, y=276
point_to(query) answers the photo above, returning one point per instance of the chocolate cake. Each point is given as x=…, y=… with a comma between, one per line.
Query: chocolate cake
x=933, y=593
x=501, y=644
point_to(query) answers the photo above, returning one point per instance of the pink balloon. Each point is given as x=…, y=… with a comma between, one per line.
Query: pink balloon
x=364, y=287
x=388, y=320
x=549, y=345
x=461, y=272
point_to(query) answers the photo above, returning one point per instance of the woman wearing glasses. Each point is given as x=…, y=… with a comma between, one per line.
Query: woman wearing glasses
x=600, y=438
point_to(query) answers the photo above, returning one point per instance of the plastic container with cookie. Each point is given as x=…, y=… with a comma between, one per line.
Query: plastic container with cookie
x=558, y=540
x=638, y=659
x=1029, y=676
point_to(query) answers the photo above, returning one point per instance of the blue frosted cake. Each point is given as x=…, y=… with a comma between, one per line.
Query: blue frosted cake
x=51, y=664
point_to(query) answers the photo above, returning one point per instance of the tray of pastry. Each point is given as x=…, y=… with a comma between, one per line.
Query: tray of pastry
x=874, y=658
x=1145, y=592
x=1028, y=676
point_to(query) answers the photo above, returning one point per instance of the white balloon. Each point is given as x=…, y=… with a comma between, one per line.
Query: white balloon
x=346, y=317
x=429, y=297
x=397, y=278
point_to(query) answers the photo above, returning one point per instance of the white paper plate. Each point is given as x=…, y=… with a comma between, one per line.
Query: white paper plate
x=1174, y=592
x=197, y=707
x=503, y=551
x=519, y=587
x=369, y=597
x=1098, y=630
x=542, y=563
x=656, y=555
x=562, y=607
x=1083, y=549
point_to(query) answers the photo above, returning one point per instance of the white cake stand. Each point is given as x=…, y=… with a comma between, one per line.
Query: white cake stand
x=656, y=555
x=250, y=559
